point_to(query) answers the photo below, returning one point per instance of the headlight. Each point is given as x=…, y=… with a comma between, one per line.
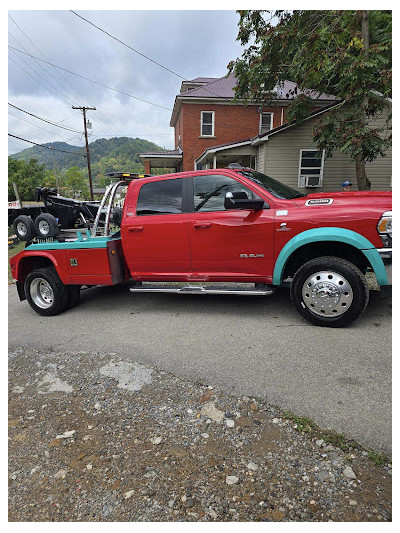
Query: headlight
x=385, y=223
x=384, y=228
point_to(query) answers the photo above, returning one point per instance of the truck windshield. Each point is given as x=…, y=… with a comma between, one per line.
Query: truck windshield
x=278, y=189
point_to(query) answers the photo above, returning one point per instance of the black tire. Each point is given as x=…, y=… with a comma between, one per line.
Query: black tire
x=329, y=291
x=46, y=226
x=24, y=228
x=45, y=292
x=74, y=295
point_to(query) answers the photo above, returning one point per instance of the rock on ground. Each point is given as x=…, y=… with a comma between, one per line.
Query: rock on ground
x=106, y=440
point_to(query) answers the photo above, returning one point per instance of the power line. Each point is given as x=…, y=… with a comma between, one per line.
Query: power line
x=47, y=147
x=43, y=68
x=61, y=76
x=140, y=53
x=44, y=120
x=96, y=82
x=44, y=129
x=40, y=52
x=130, y=135
x=127, y=94
x=30, y=75
x=130, y=47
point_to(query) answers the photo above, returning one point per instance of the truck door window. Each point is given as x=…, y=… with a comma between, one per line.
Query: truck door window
x=210, y=192
x=160, y=197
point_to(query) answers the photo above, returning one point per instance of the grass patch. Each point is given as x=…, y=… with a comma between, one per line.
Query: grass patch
x=379, y=459
x=306, y=425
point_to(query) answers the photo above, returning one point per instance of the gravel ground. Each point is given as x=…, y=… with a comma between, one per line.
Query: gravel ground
x=95, y=437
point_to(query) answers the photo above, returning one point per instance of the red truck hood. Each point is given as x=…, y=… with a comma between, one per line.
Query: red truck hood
x=368, y=199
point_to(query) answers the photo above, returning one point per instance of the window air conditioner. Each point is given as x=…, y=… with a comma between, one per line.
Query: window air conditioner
x=311, y=181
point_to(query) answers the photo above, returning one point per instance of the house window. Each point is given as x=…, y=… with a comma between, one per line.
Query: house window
x=207, y=124
x=266, y=121
x=311, y=168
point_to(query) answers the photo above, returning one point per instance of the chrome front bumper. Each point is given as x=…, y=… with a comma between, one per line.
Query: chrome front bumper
x=386, y=256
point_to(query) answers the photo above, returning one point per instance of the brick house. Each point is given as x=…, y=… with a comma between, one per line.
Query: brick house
x=204, y=116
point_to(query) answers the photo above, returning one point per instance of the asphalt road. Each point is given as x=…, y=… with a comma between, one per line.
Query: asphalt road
x=341, y=378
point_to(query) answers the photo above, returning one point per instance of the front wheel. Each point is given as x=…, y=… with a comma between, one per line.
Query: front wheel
x=329, y=291
x=45, y=292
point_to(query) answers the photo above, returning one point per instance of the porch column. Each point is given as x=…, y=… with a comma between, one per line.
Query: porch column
x=147, y=168
x=215, y=161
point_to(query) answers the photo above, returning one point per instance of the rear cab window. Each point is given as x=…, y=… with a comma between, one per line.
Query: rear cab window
x=161, y=197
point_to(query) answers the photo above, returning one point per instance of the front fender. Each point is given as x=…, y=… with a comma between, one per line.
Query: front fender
x=331, y=234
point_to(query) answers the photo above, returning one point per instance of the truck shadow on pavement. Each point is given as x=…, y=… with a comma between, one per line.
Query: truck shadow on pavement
x=106, y=299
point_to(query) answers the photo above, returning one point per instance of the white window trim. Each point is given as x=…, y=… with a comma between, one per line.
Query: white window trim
x=272, y=120
x=321, y=175
x=213, y=124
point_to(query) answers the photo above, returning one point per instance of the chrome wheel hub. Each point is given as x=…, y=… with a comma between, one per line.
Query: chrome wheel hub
x=327, y=294
x=41, y=293
x=21, y=228
x=44, y=227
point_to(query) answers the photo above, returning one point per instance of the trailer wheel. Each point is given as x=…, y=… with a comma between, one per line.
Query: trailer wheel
x=45, y=292
x=74, y=294
x=24, y=228
x=46, y=226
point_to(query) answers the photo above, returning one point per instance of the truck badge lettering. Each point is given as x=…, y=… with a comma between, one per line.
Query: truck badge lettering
x=319, y=201
x=250, y=256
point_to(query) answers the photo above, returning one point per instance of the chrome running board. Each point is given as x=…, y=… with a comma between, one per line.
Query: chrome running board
x=260, y=290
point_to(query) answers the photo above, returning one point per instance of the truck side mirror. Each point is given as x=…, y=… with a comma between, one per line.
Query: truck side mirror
x=239, y=200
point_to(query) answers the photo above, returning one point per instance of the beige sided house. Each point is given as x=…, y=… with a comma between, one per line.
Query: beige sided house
x=288, y=154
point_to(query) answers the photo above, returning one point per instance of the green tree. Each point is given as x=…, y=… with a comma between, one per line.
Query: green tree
x=27, y=176
x=76, y=183
x=344, y=53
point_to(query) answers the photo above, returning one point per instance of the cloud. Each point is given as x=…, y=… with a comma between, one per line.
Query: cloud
x=190, y=43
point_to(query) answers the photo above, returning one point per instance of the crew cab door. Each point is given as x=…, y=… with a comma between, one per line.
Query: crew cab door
x=154, y=231
x=228, y=244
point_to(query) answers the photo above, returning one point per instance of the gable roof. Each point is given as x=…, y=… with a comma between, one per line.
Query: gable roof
x=203, y=80
x=215, y=88
x=222, y=89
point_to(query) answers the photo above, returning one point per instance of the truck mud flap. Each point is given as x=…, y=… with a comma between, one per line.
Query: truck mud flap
x=21, y=290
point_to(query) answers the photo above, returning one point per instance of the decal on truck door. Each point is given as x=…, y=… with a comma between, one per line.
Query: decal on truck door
x=319, y=201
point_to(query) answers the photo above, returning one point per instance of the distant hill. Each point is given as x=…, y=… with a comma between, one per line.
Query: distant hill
x=106, y=155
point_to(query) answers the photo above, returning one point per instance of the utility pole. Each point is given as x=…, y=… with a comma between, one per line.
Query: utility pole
x=55, y=174
x=83, y=109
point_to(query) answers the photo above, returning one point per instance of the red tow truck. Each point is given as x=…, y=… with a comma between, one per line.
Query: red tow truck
x=221, y=231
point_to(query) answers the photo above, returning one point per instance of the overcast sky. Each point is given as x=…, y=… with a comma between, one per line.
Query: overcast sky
x=190, y=43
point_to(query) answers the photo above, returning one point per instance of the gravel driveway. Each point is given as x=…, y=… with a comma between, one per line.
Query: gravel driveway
x=341, y=378
x=99, y=437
